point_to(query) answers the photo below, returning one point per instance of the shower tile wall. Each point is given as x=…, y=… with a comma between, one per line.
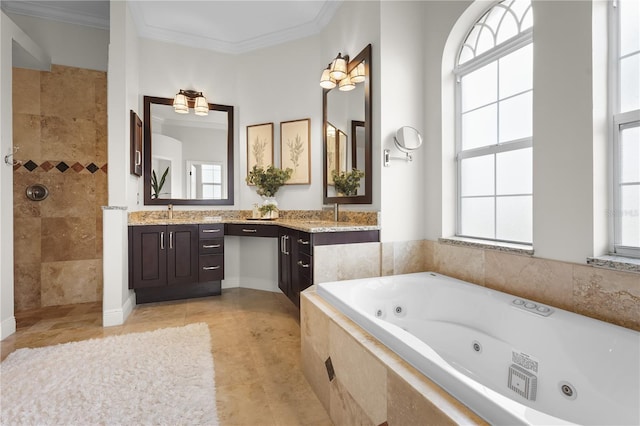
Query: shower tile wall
x=60, y=132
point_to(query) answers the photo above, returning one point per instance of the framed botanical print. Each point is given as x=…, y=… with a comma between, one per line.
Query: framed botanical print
x=295, y=150
x=259, y=145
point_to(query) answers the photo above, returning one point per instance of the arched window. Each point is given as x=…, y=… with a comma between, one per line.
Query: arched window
x=494, y=139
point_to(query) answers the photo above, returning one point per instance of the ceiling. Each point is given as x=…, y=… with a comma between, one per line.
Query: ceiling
x=219, y=25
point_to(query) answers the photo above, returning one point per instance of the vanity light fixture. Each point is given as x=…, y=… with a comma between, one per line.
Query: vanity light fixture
x=336, y=74
x=182, y=99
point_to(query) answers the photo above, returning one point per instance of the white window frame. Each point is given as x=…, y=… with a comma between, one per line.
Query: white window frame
x=617, y=122
x=517, y=42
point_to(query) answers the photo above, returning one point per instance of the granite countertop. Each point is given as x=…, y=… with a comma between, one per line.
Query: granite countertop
x=306, y=225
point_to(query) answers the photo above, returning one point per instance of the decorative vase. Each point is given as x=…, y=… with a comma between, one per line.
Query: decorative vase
x=272, y=214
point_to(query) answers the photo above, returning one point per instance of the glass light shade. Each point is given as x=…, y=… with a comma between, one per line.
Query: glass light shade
x=346, y=84
x=201, y=106
x=357, y=74
x=326, y=81
x=338, y=69
x=180, y=104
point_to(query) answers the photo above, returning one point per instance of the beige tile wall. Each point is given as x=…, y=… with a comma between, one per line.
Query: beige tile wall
x=59, y=117
x=607, y=295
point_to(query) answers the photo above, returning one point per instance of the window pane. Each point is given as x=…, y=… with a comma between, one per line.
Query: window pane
x=629, y=26
x=513, y=219
x=630, y=155
x=514, y=172
x=217, y=174
x=207, y=191
x=630, y=215
x=516, y=72
x=476, y=176
x=508, y=28
x=207, y=174
x=479, y=128
x=217, y=192
x=479, y=87
x=630, y=83
x=485, y=41
x=476, y=217
x=515, y=118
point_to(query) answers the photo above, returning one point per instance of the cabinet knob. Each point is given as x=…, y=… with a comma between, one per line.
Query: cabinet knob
x=304, y=242
x=304, y=265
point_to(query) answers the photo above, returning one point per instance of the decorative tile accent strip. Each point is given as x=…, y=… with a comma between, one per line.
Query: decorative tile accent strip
x=30, y=165
x=46, y=166
x=61, y=166
x=330, y=372
x=92, y=168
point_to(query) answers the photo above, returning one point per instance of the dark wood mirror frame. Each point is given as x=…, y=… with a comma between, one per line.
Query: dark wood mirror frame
x=148, y=101
x=364, y=55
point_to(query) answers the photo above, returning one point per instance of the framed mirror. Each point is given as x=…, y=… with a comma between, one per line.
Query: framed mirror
x=347, y=133
x=188, y=159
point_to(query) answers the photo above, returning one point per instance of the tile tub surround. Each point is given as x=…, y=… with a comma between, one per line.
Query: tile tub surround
x=604, y=294
x=63, y=145
x=360, y=381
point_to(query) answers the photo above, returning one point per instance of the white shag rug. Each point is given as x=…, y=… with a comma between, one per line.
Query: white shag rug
x=161, y=377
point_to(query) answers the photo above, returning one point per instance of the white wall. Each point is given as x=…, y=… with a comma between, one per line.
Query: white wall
x=67, y=44
x=11, y=38
x=122, y=76
x=402, y=35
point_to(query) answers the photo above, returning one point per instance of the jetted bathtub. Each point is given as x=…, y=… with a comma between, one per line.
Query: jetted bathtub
x=511, y=360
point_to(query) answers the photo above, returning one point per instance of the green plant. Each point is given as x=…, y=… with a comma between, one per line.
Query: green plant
x=268, y=180
x=347, y=183
x=267, y=208
x=157, y=187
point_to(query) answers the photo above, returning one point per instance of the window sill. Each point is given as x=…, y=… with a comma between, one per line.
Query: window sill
x=521, y=249
x=618, y=263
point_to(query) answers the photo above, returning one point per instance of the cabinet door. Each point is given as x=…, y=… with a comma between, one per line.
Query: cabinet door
x=285, y=261
x=182, y=254
x=148, y=256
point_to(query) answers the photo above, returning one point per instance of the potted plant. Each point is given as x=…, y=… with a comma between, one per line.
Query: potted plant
x=268, y=181
x=155, y=185
x=347, y=183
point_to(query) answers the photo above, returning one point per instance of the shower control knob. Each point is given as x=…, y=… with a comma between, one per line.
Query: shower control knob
x=543, y=309
x=530, y=305
x=518, y=302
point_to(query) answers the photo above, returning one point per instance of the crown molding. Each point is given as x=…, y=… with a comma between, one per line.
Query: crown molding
x=57, y=12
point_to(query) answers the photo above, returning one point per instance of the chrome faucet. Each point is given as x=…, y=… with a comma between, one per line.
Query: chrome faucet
x=170, y=211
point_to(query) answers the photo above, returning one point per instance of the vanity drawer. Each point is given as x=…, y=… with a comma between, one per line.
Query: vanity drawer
x=211, y=230
x=214, y=246
x=305, y=266
x=252, y=230
x=304, y=242
x=211, y=267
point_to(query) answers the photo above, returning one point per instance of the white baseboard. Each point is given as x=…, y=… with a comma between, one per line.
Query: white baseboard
x=113, y=317
x=7, y=327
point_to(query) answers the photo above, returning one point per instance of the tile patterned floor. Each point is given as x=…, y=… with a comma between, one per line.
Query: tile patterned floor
x=255, y=339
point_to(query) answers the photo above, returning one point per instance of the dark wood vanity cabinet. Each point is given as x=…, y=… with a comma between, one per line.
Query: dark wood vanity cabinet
x=163, y=255
x=295, y=256
x=287, y=258
x=175, y=261
x=179, y=261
